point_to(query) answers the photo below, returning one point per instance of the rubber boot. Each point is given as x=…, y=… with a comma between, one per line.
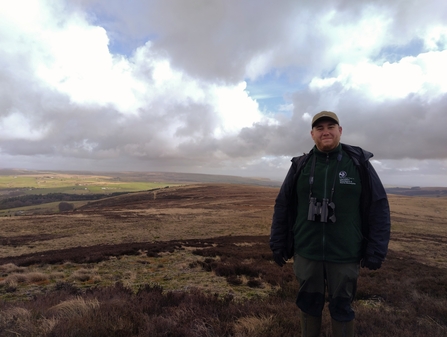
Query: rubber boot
x=342, y=329
x=310, y=325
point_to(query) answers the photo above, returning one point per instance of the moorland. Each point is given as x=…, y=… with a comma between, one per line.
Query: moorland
x=176, y=256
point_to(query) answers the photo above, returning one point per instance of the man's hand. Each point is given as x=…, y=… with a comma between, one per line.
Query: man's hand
x=280, y=257
x=371, y=262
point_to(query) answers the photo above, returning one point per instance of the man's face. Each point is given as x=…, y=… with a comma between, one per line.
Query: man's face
x=326, y=135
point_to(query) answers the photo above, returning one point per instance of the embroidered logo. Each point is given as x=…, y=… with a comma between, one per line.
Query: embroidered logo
x=344, y=179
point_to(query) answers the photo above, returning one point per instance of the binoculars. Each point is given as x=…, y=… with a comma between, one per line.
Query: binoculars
x=320, y=210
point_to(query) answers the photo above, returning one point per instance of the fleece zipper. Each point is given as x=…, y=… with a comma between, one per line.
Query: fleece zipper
x=325, y=197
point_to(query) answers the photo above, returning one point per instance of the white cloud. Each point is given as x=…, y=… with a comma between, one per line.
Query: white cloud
x=16, y=126
x=259, y=65
x=436, y=38
x=424, y=75
x=235, y=108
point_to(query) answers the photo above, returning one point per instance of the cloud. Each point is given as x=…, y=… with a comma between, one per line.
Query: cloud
x=223, y=86
x=423, y=75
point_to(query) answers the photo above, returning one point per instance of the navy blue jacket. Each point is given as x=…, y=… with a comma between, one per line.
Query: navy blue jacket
x=375, y=209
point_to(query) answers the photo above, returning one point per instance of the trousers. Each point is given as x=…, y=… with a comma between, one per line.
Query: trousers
x=315, y=277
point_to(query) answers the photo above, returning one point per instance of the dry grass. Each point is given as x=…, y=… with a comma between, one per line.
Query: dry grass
x=188, y=216
x=419, y=228
x=27, y=278
x=252, y=325
x=74, y=307
x=9, y=268
x=407, y=289
x=188, y=212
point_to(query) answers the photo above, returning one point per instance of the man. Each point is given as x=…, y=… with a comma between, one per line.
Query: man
x=331, y=215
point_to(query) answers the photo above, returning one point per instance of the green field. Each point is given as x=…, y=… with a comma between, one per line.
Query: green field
x=63, y=183
x=44, y=183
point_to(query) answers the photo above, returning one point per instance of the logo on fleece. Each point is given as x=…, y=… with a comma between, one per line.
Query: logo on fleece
x=344, y=179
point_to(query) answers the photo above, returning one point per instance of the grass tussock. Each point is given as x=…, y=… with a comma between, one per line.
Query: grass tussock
x=253, y=325
x=85, y=274
x=17, y=321
x=26, y=278
x=10, y=268
x=74, y=307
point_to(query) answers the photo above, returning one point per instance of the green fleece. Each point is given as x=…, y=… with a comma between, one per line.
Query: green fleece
x=339, y=242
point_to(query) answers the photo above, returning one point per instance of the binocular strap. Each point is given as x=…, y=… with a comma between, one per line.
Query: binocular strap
x=312, y=174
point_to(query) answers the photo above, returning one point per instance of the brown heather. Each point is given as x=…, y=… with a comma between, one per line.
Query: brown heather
x=195, y=261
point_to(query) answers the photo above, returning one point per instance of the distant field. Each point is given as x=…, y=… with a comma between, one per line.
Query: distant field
x=66, y=183
x=434, y=192
x=144, y=177
x=17, y=183
x=45, y=183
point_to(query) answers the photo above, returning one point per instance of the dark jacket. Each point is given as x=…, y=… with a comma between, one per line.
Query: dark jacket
x=375, y=210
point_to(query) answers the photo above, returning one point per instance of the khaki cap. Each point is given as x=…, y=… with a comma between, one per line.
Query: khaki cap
x=325, y=114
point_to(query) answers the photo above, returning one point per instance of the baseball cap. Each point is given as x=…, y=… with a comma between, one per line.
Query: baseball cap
x=325, y=114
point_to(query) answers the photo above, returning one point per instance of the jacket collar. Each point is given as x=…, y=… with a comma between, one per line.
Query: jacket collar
x=330, y=154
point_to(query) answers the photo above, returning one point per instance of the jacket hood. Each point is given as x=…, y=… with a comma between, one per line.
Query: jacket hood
x=358, y=152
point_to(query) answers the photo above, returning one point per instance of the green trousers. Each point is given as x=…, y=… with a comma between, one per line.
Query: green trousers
x=315, y=277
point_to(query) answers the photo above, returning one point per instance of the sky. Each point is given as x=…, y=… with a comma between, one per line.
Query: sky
x=222, y=86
